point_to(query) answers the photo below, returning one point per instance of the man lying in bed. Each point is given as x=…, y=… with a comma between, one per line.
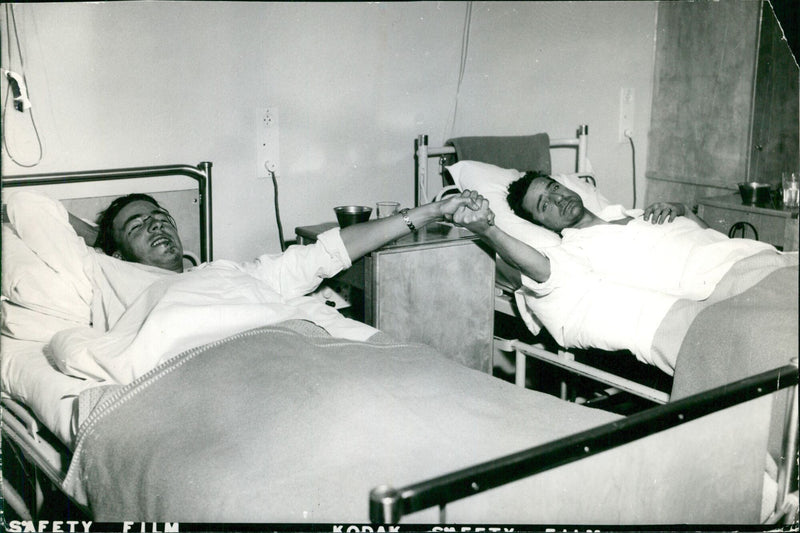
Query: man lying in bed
x=145, y=309
x=136, y=228
x=666, y=248
x=637, y=280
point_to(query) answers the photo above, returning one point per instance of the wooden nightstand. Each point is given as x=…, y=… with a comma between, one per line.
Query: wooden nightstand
x=776, y=226
x=435, y=286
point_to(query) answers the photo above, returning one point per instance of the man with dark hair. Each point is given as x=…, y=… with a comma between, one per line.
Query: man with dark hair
x=538, y=198
x=665, y=248
x=136, y=228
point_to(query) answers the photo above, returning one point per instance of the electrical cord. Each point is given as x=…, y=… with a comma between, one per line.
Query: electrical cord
x=277, y=210
x=12, y=20
x=633, y=165
x=462, y=67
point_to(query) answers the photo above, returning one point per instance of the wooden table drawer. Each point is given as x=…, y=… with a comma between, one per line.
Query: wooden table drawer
x=770, y=228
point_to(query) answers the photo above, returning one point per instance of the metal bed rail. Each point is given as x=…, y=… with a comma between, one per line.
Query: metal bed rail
x=388, y=505
x=46, y=455
x=200, y=173
x=566, y=360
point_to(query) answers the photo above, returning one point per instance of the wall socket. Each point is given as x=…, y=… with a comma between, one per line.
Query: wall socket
x=626, y=107
x=267, y=142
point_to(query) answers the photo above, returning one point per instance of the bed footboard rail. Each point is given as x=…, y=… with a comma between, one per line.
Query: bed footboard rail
x=200, y=173
x=388, y=505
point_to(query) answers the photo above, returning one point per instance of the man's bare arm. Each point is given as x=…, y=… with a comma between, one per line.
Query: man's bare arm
x=528, y=260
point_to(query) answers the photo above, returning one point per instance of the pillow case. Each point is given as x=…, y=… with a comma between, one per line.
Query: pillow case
x=492, y=183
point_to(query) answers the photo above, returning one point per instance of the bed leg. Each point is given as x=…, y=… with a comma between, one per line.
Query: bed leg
x=519, y=368
x=564, y=392
x=788, y=455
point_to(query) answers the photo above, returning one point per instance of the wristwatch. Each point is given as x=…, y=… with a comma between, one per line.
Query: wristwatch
x=404, y=213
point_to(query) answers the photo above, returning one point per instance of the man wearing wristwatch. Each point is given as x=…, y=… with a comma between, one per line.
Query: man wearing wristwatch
x=143, y=249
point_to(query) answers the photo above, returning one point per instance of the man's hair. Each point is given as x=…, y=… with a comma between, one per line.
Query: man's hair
x=516, y=194
x=105, y=220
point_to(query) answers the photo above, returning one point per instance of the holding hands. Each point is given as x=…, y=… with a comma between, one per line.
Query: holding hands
x=469, y=210
x=660, y=212
x=476, y=215
x=466, y=200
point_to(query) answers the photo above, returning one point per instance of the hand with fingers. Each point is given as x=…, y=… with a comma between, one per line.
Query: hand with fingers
x=467, y=199
x=660, y=212
x=479, y=220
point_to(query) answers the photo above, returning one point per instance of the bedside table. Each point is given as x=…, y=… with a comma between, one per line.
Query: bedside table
x=776, y=226
x=435, y=286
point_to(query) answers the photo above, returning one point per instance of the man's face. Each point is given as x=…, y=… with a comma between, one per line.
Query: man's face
x=552, y=205
x=147, y=234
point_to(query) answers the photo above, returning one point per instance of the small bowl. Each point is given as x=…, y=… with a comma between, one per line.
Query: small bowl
x=347, y=215
x=755, y=193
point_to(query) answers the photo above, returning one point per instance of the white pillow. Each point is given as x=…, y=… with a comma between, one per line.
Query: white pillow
x=492, y=183
x=43, y=277
x=592, y=199
x=31, y=283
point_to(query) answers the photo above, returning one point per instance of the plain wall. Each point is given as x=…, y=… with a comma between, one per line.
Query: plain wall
x=140, y=83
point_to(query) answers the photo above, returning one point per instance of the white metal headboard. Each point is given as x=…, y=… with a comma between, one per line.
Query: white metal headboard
x=422, y=152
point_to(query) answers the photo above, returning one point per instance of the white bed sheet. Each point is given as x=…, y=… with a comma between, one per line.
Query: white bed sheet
x=27, y=376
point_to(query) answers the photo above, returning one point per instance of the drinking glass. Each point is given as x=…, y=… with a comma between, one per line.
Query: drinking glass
x=791, y=189
x=387, y=209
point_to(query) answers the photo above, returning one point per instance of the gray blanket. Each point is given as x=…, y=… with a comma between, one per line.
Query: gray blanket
x=277, y=425
x=738, y=337
x=741, y=336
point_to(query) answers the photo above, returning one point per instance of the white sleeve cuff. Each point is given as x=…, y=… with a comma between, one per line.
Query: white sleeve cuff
x=334, y=246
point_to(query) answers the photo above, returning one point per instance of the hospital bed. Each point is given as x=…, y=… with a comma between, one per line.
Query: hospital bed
x=39, y=405
x=596, y=327
x=284, y=423
x=618, y=370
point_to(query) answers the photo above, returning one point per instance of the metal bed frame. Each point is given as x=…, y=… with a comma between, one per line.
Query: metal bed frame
x=32, y=443
x=504, y=301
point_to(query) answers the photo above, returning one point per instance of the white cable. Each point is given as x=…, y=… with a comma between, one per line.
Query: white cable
x=461, y=68
x=22, y=84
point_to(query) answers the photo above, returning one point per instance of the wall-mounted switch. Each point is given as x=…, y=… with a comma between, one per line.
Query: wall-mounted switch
x=267, y=142
x=626, y=107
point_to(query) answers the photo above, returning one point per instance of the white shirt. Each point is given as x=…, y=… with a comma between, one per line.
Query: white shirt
x=676, y=258
x=213, y=301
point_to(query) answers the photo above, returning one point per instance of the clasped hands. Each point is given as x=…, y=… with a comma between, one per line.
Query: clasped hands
x=470, y=210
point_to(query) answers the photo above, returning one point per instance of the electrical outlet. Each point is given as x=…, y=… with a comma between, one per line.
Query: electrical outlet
x=267, y=142
x=626, y=107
